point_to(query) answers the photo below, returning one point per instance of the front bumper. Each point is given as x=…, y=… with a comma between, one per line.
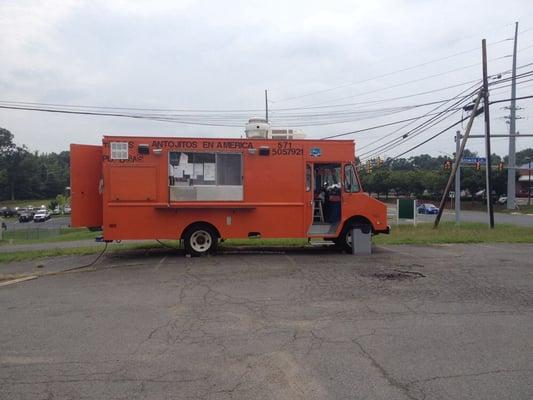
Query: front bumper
x=385, y=231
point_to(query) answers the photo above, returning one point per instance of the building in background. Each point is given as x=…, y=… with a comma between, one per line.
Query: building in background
x=525, y=180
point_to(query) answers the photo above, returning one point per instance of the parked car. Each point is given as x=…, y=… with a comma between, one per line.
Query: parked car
x=67, y=209
x=41, y=216
x=7, y=212
x=427, y=209
x=25, y=215
x=56, y=211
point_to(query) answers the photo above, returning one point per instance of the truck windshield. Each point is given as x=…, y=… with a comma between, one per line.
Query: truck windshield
x=350, y=180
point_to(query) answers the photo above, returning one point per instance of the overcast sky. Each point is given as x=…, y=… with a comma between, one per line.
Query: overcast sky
x=221, y=55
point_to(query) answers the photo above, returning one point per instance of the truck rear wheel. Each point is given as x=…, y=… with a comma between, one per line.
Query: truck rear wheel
x=200, y=240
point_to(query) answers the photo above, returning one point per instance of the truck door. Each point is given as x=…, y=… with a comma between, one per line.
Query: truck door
x=325, y=199
x=351, y=189
x=308, y=196
x=85, y=185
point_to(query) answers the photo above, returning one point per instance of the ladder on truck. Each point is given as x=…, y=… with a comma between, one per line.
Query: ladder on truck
x=318, y=213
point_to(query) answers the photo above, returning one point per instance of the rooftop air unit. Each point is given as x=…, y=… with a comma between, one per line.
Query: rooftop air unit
x=287, y=134
x=257, y=128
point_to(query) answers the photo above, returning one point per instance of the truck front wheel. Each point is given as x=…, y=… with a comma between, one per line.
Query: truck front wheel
x=344, y=241
x=200, y=240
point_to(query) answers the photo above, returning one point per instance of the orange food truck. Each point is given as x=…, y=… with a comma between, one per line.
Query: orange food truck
x=203, y=190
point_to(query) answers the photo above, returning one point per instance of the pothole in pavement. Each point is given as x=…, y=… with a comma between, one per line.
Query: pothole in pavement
x=398, y=275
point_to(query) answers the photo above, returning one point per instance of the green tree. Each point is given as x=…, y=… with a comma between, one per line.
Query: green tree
x=25, y=175
x=400, y=164
x=522, y=157
x=379, y=181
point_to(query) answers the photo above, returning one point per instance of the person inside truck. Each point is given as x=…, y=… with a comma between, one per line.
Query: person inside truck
x=327, y=190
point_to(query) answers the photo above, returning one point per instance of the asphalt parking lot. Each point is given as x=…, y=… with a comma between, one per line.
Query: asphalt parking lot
x=408, y=322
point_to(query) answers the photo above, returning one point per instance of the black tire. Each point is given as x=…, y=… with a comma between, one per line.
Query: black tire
x=344, y=241
x=200, y=240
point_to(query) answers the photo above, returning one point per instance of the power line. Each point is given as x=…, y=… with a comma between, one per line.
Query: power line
x=456, y=97
x=386, y=99
x=407, y=96
x=407, y=82
x=318, y=116
x=132, y=108
x=340, y=117
x=449, y=127
x=431, y=138
x=112, y=115
x=92, y=107
x=411, y=134
x=237, y=113
x=527, y=73
x=385, y=74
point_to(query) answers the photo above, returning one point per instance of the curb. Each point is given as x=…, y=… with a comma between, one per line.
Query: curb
x=13, y=281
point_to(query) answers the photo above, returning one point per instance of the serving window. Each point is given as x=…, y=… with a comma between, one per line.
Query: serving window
x=205, y=176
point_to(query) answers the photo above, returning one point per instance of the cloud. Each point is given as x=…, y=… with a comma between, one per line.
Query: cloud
x=207, y=54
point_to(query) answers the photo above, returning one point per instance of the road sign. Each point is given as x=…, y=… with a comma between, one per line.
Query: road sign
x=473, y=160
x=406, y=209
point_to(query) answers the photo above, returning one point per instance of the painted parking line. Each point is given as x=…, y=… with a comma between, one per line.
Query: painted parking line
x=160, y=263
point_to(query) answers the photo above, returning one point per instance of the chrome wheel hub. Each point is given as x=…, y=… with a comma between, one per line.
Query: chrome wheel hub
x=200, y=241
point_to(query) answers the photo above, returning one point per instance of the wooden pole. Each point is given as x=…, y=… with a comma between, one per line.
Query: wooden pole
x=488, y=172
x=458, y=159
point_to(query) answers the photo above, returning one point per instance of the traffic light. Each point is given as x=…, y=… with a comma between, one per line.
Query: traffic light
x=500, y=166
x=478, y=165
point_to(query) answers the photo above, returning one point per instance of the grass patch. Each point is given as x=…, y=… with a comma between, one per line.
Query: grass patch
x=17, y=256
x=520, y=209
x=422, y=234
x=33, y=255
x=448, y=232
x=45, y=235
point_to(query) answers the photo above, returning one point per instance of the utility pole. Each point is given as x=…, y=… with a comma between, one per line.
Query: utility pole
x=457, y=179
x=511, y=168
x=488, y=172
x=529, y=184
x=266, y=105
x=458, y=158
